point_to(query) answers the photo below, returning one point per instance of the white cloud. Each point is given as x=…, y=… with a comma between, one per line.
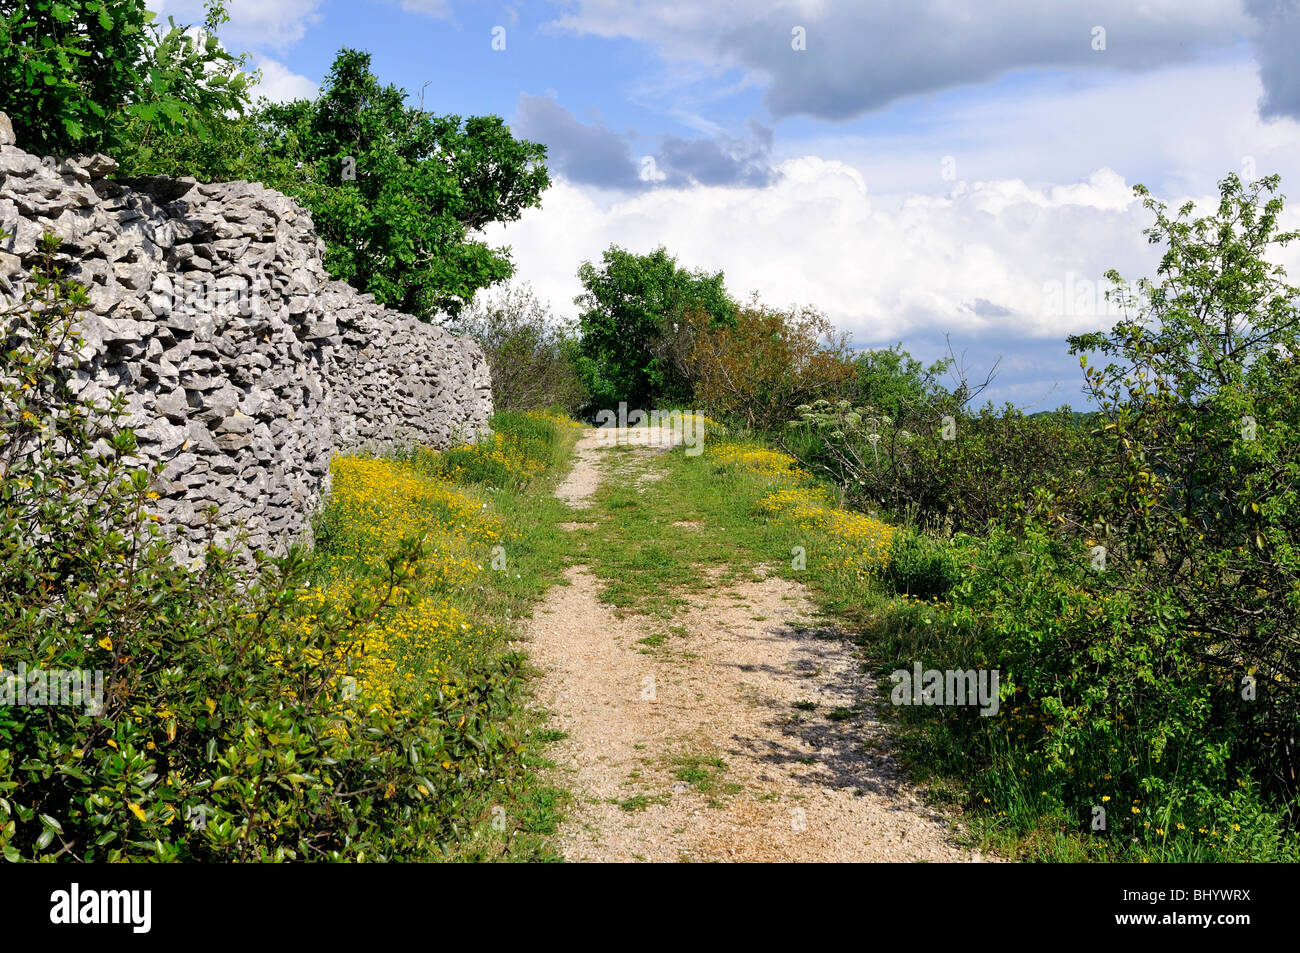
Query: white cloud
x=279, y=84
x=970, y=261
x=1179, y=129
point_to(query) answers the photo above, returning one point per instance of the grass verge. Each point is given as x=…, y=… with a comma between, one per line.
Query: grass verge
x=486, y=516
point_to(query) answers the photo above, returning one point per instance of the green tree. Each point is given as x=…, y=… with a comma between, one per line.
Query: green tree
x=397, y=192
x=636, y=332
x=76, y=74
x=1201, y=408
x=895, y=383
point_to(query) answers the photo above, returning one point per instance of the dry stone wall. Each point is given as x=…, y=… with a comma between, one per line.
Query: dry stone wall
x=244, y=367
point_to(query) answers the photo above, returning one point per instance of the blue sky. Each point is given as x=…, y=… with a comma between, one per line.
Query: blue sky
x=917, y=169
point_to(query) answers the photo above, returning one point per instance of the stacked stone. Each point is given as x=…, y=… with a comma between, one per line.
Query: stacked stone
x=244, y=367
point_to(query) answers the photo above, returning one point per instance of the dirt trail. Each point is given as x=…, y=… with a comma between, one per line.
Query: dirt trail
x=690, y=746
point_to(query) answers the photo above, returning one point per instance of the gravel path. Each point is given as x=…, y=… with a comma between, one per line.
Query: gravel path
x=690, y=746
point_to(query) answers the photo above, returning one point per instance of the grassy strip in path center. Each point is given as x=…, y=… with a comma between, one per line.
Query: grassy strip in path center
x=655, y=532
x=666, y=524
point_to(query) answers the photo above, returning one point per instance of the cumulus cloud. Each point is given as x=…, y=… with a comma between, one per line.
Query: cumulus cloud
x=991, y=255
x=861, y=57
x=279, y=84
x=1008, y=268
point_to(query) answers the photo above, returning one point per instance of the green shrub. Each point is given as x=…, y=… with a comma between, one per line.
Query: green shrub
x=1200, y=403
x=920, y=566
x=948, y=469
x=1108, y=701
x=896, y=383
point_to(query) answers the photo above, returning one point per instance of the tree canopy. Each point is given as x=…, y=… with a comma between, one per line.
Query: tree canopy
x=75, y=75
x=399, y=193
x=635, y=330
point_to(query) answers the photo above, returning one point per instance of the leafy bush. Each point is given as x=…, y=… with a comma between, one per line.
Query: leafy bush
x=1200, y=404
x=532, y=354
x=219, y=718
x=756, y=370
x=947, y=469
x=1106, y=703
x=895, y=383
x=76, y=74
x=921, y=567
